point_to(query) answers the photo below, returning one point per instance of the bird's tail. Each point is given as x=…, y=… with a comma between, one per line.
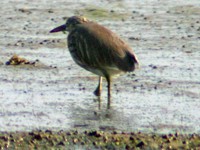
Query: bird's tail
x=132, y=61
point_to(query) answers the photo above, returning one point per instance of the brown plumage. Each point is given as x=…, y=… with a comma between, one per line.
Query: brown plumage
x=98, y=50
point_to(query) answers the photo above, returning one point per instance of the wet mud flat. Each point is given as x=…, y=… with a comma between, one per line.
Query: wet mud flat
x=161, y=97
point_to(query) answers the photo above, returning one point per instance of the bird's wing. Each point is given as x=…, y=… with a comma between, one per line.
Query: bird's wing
x=99, y=47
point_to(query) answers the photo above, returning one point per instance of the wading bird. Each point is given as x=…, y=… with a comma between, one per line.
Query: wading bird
x=98, y=50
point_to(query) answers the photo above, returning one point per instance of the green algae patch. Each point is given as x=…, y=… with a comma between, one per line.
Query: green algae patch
x=100, y=13
x=97, y=140
x=186, y=9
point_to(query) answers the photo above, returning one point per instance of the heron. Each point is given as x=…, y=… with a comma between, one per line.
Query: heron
x=98, y=50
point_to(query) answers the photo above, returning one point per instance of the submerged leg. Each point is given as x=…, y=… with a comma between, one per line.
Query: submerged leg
x=97, y=92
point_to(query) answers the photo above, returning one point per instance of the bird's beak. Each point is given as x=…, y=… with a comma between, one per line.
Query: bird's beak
x=58, y=29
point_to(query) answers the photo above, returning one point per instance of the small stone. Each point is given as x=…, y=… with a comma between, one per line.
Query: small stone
x=45, y=41
x=177, y=134
x=123, y=132
x=24, y=10
x=134, y=38
x=174, y=138
x=38, y=137
x=94, y=133
x=68, y=133
x=165, y=137
x=61, y=143
x=17, y=44
x=193, y=136
x=154, y=67
x=127, y=147
x=131, y=138
x=132, y=133
x=168, y=140
x=169, y=147
x=50, y=11
x=5, y=138
x=76, y=132
x=145, y=18
x=141, y=144
x=75, y=141
x=105, y=139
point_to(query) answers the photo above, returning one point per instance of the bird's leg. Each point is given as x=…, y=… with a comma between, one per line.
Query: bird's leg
x=109, y=86
x=109, y=92
x=97, y=92
x=109, y=103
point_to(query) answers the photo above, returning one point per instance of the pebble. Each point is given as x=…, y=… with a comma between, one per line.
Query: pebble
x=134, y=38
x=75, y=140
x=145, y=18
x=134, y=12
x=140, y=144
x=24, y=10
x=131, y=138
x=61, y=143
x=50, y=11
x=185, y=142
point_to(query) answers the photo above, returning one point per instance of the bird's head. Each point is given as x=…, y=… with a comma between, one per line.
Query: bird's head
x=71, y=24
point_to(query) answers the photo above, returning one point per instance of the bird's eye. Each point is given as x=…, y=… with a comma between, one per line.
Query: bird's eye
x=75, y=22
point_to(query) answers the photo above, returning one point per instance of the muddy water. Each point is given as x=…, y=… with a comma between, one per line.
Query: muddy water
x=163, y=96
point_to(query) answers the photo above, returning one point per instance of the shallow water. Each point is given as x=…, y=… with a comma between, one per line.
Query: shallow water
x=162, y=96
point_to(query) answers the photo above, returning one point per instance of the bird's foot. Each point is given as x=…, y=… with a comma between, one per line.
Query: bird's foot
x=97, y=92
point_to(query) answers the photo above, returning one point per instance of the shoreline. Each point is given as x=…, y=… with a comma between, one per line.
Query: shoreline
x=97, y=140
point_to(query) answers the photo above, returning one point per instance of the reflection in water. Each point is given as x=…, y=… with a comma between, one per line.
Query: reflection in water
x=97, y=115
x=108, y=102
